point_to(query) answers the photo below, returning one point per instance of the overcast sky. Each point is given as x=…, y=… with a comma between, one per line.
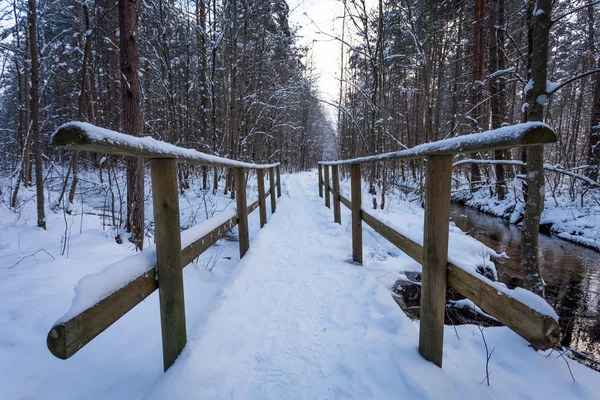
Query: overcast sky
x=325, y=52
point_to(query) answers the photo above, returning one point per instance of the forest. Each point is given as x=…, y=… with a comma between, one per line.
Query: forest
x=238, y=79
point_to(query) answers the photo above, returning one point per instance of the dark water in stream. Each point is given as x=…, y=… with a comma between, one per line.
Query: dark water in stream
x=571, y=273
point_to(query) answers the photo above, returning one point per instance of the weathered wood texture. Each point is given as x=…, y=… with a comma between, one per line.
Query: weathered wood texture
x=76, y=136
x=355, y=188
x=502, y=138
x=262, y=199
x=278, y=181
x=240, y=196
x=327, y=186
x=335, y=177
x=168, y=257
x=272, y=190
x=320, y=181
x=541, y=331
x=65, y=339
x=435, y=257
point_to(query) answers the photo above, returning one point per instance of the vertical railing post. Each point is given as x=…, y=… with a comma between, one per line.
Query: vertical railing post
x=278, y=181
x=337, y=212
x=435, y=257
x=273, y=194
x=262, y=206
x=168, y=257
x=242, y=210
x=320, y=181
x=327, y=187
x=356, y=200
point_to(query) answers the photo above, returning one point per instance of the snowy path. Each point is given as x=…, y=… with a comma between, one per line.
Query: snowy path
x=299, y=321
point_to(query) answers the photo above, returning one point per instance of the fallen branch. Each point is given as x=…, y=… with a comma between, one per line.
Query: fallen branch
x=31, y=255
x=547, y=167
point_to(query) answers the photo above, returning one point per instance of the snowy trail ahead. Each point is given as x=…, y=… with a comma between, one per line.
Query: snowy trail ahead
x=299, y=321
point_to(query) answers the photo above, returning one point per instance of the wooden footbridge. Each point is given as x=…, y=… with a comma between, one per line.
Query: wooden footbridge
x=67, y=337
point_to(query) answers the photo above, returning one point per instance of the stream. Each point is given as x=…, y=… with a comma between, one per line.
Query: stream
x=571, y=273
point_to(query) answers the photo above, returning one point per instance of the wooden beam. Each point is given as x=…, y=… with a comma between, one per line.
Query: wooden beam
x=240, y=195
x=320, y=181
x=168, y=257
x=337, y=212
x=278, y=181
x=198, y=247
x=327, y=187
x=67, y=338
x=355, y=187
x=435, y=257
x=87, y=137
x=528, y=134
x=542, y=331
x=260, y=177
x=273, y=194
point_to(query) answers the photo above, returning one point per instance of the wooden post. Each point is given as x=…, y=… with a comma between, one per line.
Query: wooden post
x=435, y=257
x=356, y=199
x=242, y=210
x=326, y=183
x=262, y=206
x=320, y=181
x=278, y=181
x=168, y=257
x=273, y=194
x=337, y=212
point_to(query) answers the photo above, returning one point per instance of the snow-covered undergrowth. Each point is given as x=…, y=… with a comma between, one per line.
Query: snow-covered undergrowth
x=293, y=319
x=571, y=212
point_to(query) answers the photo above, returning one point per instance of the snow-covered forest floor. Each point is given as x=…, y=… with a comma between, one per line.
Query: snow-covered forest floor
x=571, y=212
x=293, y=319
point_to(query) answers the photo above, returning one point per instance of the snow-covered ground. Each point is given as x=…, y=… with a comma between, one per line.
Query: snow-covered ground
x=571, y=213
x=293, y=319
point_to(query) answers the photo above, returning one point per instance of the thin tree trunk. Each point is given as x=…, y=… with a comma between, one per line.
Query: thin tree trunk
x=538, y=12
x=132, y=116
x=35, y=116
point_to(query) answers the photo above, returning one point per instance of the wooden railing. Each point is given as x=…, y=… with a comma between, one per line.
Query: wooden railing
x=535, y=326
x=66, y=338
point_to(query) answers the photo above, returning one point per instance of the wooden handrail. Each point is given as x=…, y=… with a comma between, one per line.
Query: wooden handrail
x=542, y=331
x=67, y=338
x=526, y=134
x=80, y=326
x=87, y=137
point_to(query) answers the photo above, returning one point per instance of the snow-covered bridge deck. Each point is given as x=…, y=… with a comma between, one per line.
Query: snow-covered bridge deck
x=301, y=321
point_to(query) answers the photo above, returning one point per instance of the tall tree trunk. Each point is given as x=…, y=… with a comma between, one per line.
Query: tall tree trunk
x=497, y=84
x=132, y=116
x=478, y=55
x=593, y=148
x=35, y=115
x=538, y=12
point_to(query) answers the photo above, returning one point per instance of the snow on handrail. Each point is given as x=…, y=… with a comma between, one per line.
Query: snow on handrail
x=525, y=134
x=87, y=137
